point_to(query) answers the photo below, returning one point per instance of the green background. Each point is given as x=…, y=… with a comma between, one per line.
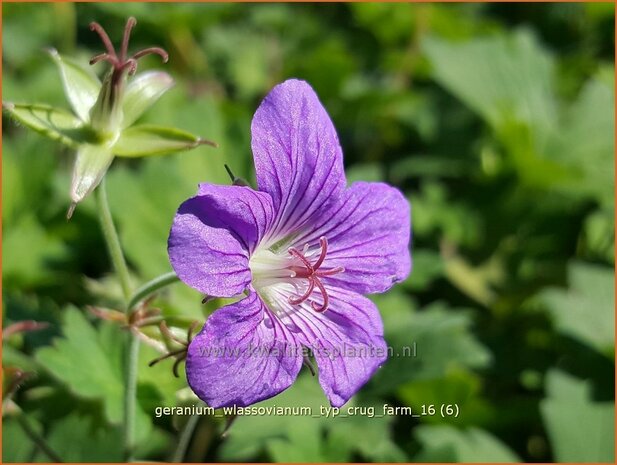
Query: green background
x=496, y=121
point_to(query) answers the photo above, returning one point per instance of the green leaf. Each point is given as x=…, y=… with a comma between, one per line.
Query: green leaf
x=447, y=444
x=26, y=176
x=427, y=267
x=95, y=444
x=460, y=387
x=376, y=445
x=434, y=212
x=312, y=437
x=426, y=345
x=52, y=122
x=501, y=77
x=21, y=446
x=90, y=361
x=586, y=311
x=91, y=164
x=145, y=140
x=599, y=231
x=87, y=362
x=11, y=357
x=28, y=249
x=585, y=142
x=142, y=92
x=508, y=81
x=251, y=435
x=580, y=430
x=365, y=172
x=81, y=87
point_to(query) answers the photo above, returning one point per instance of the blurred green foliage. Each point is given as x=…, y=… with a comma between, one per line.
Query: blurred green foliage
x=496, y=120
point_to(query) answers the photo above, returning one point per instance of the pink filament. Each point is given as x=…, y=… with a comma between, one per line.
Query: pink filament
x=312, y=273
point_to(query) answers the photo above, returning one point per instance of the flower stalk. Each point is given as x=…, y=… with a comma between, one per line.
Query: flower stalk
x=130, y=395
x=113, y=242
x=131, y=368
x=102, y=126
x=152, y=286
x=185, y=438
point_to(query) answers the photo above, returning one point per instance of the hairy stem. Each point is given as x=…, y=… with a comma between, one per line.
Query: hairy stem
x=152, y=286
x=130, y=396
x=117, y=257
x=113, y=241
x=38, y=440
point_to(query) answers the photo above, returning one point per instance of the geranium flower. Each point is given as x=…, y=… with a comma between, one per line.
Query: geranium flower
x=103, y=123
x=304, y=248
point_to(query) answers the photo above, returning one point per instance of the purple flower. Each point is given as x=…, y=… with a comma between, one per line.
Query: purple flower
x=304, y=248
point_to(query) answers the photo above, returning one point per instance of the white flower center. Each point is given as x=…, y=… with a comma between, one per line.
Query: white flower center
x=291, y=277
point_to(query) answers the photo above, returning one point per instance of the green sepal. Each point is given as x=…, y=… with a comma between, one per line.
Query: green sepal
x=142, y=92
x=106, y=114
x=91, y=164
x=81, y=87
x=52, y=122
x=146, y=140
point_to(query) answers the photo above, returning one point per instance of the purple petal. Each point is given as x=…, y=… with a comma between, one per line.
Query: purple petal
x=347, y=341
x=298, y=159
x=368, y=230
x=213, y=235
x=242, y=355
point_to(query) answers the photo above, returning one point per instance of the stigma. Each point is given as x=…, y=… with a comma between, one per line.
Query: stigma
x=122, y=62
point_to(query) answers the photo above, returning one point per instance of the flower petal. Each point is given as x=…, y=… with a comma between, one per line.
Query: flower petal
x=347, y=341
x=213, y=235
x=368, y=230
x=242, y=355
x=298, y=159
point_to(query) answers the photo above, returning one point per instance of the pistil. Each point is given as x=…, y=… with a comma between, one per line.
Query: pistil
x=121, y=62
x=106, y=114
x=313, y=273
